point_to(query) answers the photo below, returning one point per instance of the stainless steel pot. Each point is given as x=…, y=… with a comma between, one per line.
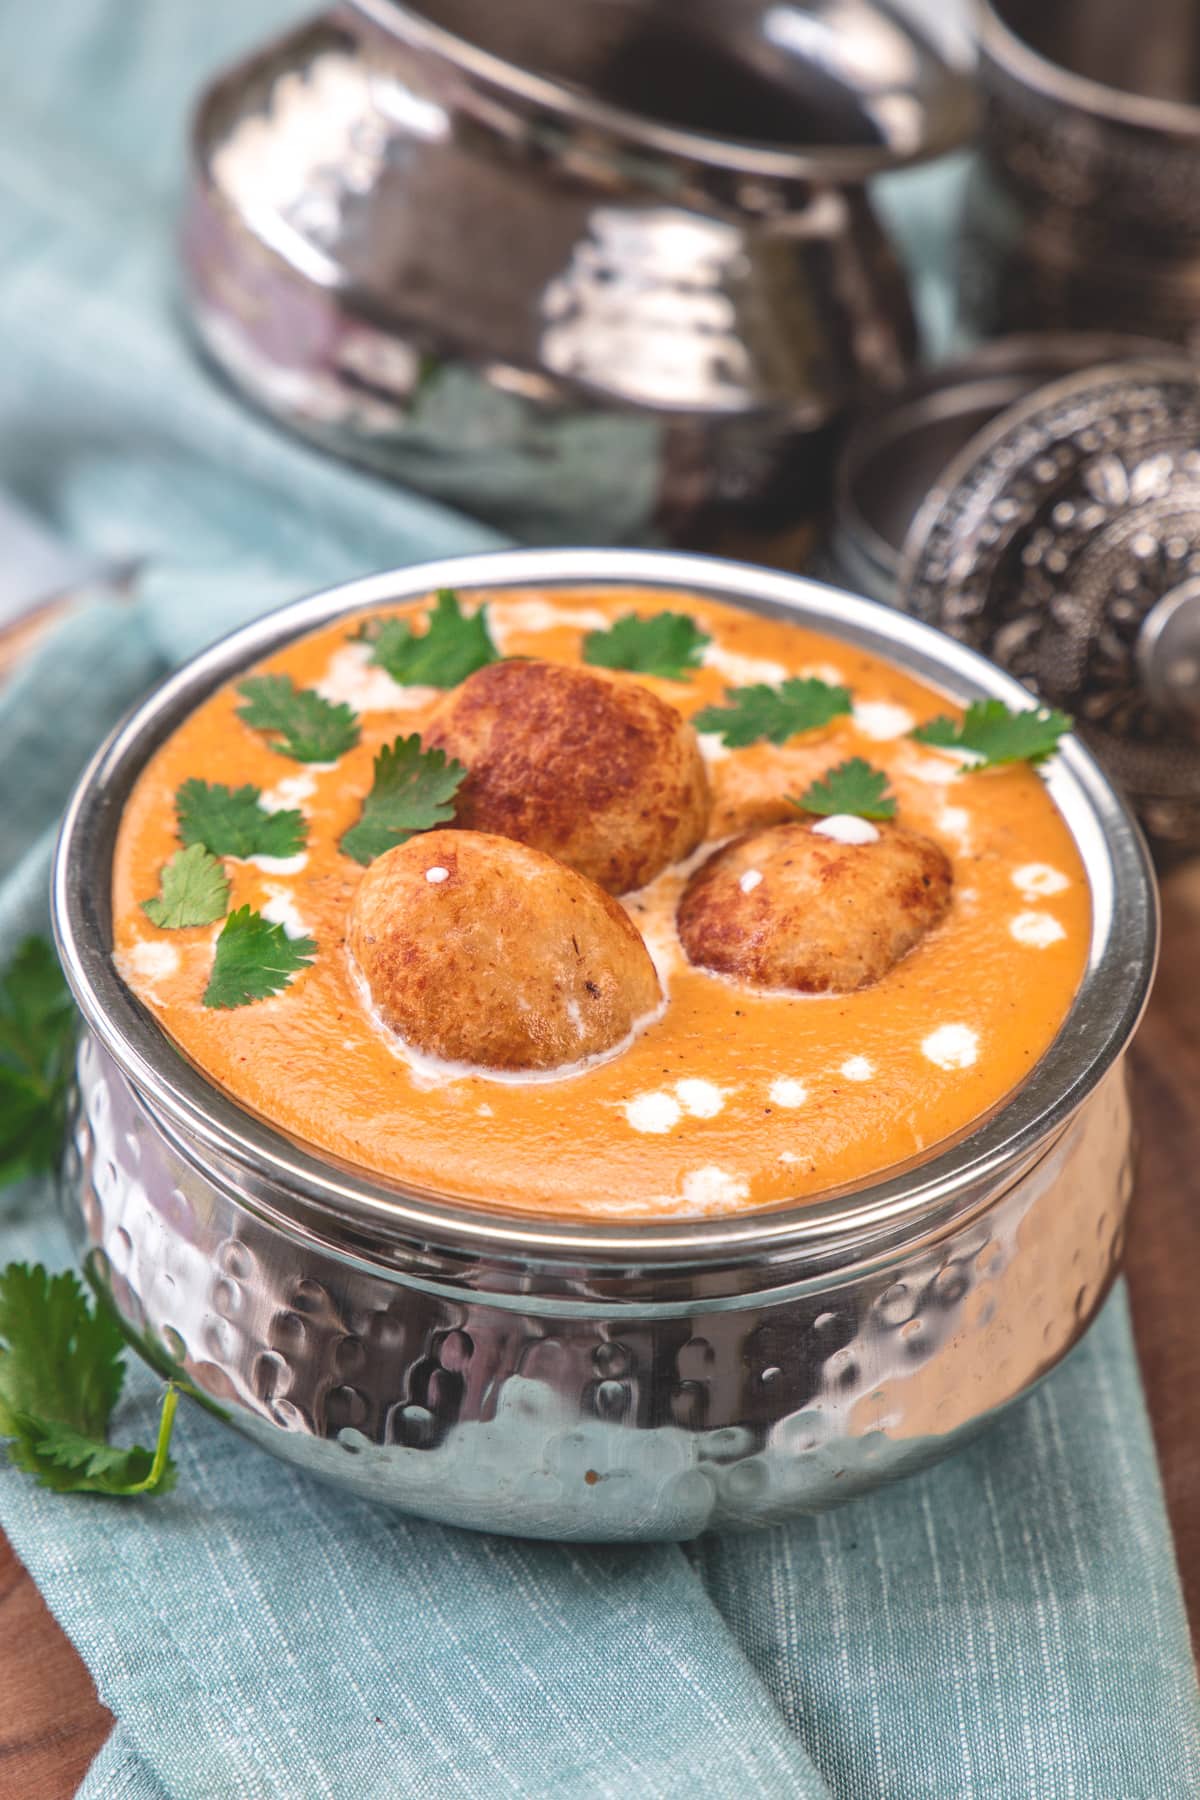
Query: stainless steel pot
x=570, y=1380
x=1084, y=211
x=467, y=246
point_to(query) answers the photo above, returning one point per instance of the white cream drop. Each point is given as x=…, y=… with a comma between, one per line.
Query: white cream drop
x=436, y=875
x=750, y=880
x=654, y=1113
x=713, y=747
x=951, y=1047
x=711, y=1189
x=151, y=961
x=742, y=671
x=280, y=865
x=881, y=720
x=955, y=822
x=508, y=617
x=847, y=828
x=936, y=769
x=787, y=1091
x=1037, y=881
x=858, y=1068
x=351, y=680
x=288, y=794
x=281, y=910
x=1036, y=930
x=702, y=1099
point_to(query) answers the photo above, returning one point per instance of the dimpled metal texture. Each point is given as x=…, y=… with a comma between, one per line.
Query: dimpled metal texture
x=1056, y=542
x=576, y=1420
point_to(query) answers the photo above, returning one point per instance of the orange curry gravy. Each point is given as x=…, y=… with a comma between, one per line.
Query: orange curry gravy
x=732, y=1099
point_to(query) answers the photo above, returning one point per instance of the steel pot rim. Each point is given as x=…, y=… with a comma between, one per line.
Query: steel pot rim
x=1102, y=1017
x=545, y=94
x=1053, y=81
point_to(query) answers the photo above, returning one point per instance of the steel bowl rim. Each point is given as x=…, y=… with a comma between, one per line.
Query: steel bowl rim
x=1103, y=1015
x=1004, y=46
x=544, y=93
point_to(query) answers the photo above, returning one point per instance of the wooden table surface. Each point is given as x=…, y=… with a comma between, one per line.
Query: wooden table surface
x=52, y=1723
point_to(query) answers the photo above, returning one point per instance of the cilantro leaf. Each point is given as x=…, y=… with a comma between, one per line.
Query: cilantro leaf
x=774, y=713
x=231, y=822
x=299, y=722
x=667, y=644
x=61, y=1375
x=37, y=1044
x=192, y=891
x=255, y=958
x=411, y=792
x=452, y=646
x=993, y=733
x=852, y=787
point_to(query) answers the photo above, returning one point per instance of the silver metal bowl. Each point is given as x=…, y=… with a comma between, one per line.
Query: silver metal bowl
x=1084, y=211
x=562, y=1379
x=468, y=247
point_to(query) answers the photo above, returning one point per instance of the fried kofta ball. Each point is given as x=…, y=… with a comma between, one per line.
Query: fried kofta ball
x=480, y=950
x=794, y=907
x=589, y=767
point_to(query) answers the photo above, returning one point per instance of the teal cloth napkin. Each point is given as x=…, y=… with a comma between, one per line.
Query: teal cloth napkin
x=1008, y=1625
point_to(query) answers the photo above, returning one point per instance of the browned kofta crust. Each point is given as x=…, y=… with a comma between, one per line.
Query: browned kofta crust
x=591, y=768
x=825, y=918
x=508, y=961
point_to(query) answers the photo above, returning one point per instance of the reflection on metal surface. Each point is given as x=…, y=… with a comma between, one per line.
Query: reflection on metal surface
x=380, y=214
x=623, y=1423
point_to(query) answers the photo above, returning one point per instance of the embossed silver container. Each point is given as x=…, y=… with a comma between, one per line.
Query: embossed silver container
x=1064, y=541
x=561, y=1379
x=1084, y=211
x=902, y=442
x=607, y=267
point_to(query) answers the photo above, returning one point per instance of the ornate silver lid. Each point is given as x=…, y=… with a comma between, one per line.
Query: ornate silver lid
x=1064, y=542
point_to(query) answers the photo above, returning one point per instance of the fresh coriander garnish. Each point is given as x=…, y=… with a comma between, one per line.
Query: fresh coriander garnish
x=774, y=714
x=411, y=792
x=232, y=822
x=193, y=890
x=37, y=1043
x=61, y=1374
x=993, y=733
x=255, y=958
x=453, y=645
x=852, y=787
x=668, y=644
x=299, y=722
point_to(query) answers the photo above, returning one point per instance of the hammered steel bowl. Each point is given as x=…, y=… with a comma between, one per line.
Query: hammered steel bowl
x=1084, y=209
x=1064, y=542
x=563, y=1379
x=604, y=269
x=900, y=444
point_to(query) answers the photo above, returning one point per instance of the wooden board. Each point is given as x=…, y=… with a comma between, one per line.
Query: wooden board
x=52, y=1723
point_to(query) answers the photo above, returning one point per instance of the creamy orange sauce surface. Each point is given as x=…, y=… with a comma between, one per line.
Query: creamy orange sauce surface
x=732, y=1099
